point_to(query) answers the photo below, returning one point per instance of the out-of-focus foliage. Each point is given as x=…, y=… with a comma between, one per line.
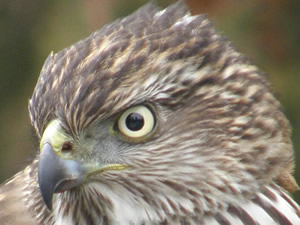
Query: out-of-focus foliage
x=267, y=31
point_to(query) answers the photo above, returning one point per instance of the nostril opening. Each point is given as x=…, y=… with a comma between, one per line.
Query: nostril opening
x=67, y=147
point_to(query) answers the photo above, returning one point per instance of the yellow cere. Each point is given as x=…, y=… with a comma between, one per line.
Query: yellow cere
x=54, y=136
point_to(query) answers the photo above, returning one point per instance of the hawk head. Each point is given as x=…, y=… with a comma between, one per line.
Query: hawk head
x=153, y=118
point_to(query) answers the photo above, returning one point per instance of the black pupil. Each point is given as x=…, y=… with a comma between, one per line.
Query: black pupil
x=134, y=121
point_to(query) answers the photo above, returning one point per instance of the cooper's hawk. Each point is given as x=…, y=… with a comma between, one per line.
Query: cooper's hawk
x=154, y=119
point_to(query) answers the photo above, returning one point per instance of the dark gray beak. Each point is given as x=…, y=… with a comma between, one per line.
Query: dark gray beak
x=56, y=174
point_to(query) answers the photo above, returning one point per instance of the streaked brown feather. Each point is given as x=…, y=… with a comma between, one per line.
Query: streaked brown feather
x=13, y=200
x=221, y=144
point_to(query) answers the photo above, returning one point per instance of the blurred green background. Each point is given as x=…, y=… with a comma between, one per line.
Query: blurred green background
x=268, y=31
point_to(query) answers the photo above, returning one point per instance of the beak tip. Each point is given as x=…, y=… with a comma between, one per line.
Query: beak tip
x=45, y=179
x=48, y=202
x=46, y=192
x=57, y=175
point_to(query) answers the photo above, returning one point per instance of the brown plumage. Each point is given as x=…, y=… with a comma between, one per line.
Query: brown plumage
x=154, y=119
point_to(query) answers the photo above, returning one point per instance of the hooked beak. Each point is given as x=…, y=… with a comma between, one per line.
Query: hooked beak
x=56, y=174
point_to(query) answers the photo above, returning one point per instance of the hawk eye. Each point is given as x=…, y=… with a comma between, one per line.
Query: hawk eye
x=136, y=122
